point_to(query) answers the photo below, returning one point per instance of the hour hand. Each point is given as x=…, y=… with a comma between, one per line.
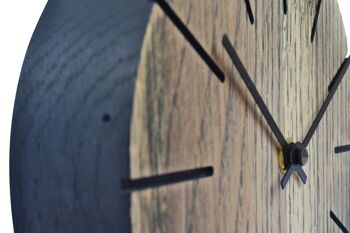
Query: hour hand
x=253, y=91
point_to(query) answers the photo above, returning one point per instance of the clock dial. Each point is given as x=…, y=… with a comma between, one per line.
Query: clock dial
x=140, y=117
x=183, y=119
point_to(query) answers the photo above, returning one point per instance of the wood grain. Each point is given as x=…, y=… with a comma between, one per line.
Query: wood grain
x=67, y=159
x=183, y=118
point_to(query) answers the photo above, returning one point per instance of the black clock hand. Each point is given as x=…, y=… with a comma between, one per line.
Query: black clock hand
x=288, y=174
x=302, y=175
x=253, y=91
x=290, y=171
x=333, y=88
x=338, y=222
x=191, y=39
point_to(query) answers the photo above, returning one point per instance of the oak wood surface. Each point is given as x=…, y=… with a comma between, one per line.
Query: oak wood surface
x=183, y=118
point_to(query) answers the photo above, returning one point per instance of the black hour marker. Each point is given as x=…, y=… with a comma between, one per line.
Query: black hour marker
x=342, y=149
x=338, y=222
x=285, y=6
x=249, y=11
x=191, y=39
x=314, y=26
x=166, y=179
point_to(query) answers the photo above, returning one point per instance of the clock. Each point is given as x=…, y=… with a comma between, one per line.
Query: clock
x=183, y=116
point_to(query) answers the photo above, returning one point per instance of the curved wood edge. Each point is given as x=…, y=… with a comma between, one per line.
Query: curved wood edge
x=71, y=121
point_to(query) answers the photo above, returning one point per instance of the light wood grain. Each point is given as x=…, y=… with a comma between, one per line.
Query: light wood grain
x=183, y=118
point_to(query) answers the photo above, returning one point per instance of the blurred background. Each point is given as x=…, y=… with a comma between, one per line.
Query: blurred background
x=18, y=19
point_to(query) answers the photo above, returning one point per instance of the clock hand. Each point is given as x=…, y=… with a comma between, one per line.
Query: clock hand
x=338, y=222
x=191, y=39
x=296, y=154
x=302, y=174
x=290, y=171
x=330, y=86
x=288, y=174
x=333, y=87
x=253, y=91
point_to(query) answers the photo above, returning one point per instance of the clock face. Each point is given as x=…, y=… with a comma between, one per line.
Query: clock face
x=183, y=116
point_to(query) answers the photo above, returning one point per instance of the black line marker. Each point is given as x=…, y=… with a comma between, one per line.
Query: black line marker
x=285, y=7
x=249, y=11
x=338, y=222
x=314, y=26
x=166, y=179
x=341, y=149
x=191, y=39
x=330, y=86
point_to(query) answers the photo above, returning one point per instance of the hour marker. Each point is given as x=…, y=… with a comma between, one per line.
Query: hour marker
x=338, y=222
x=166, y=179
x=249, y=11
x=341, y=149
x=314, y=26
x=191, y=39
x=285, y=6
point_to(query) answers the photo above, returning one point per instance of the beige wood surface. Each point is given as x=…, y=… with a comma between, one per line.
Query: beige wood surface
x=183, y=118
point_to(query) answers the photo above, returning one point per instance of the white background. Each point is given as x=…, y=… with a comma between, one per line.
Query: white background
x=18, y=19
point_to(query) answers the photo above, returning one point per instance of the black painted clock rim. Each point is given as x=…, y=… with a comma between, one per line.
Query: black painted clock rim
x=45, y=203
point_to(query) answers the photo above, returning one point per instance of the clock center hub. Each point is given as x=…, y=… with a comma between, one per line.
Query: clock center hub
x=296, y=154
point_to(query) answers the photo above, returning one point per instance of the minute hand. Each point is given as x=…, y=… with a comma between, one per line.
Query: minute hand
x=253, y=91
x=333, y=88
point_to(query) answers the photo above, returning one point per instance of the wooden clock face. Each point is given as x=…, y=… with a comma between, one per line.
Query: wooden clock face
x=183, y=116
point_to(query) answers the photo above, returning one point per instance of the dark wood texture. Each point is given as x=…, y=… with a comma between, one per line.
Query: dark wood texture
x=80, y=127
x=71, y=123
x=183, y=118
